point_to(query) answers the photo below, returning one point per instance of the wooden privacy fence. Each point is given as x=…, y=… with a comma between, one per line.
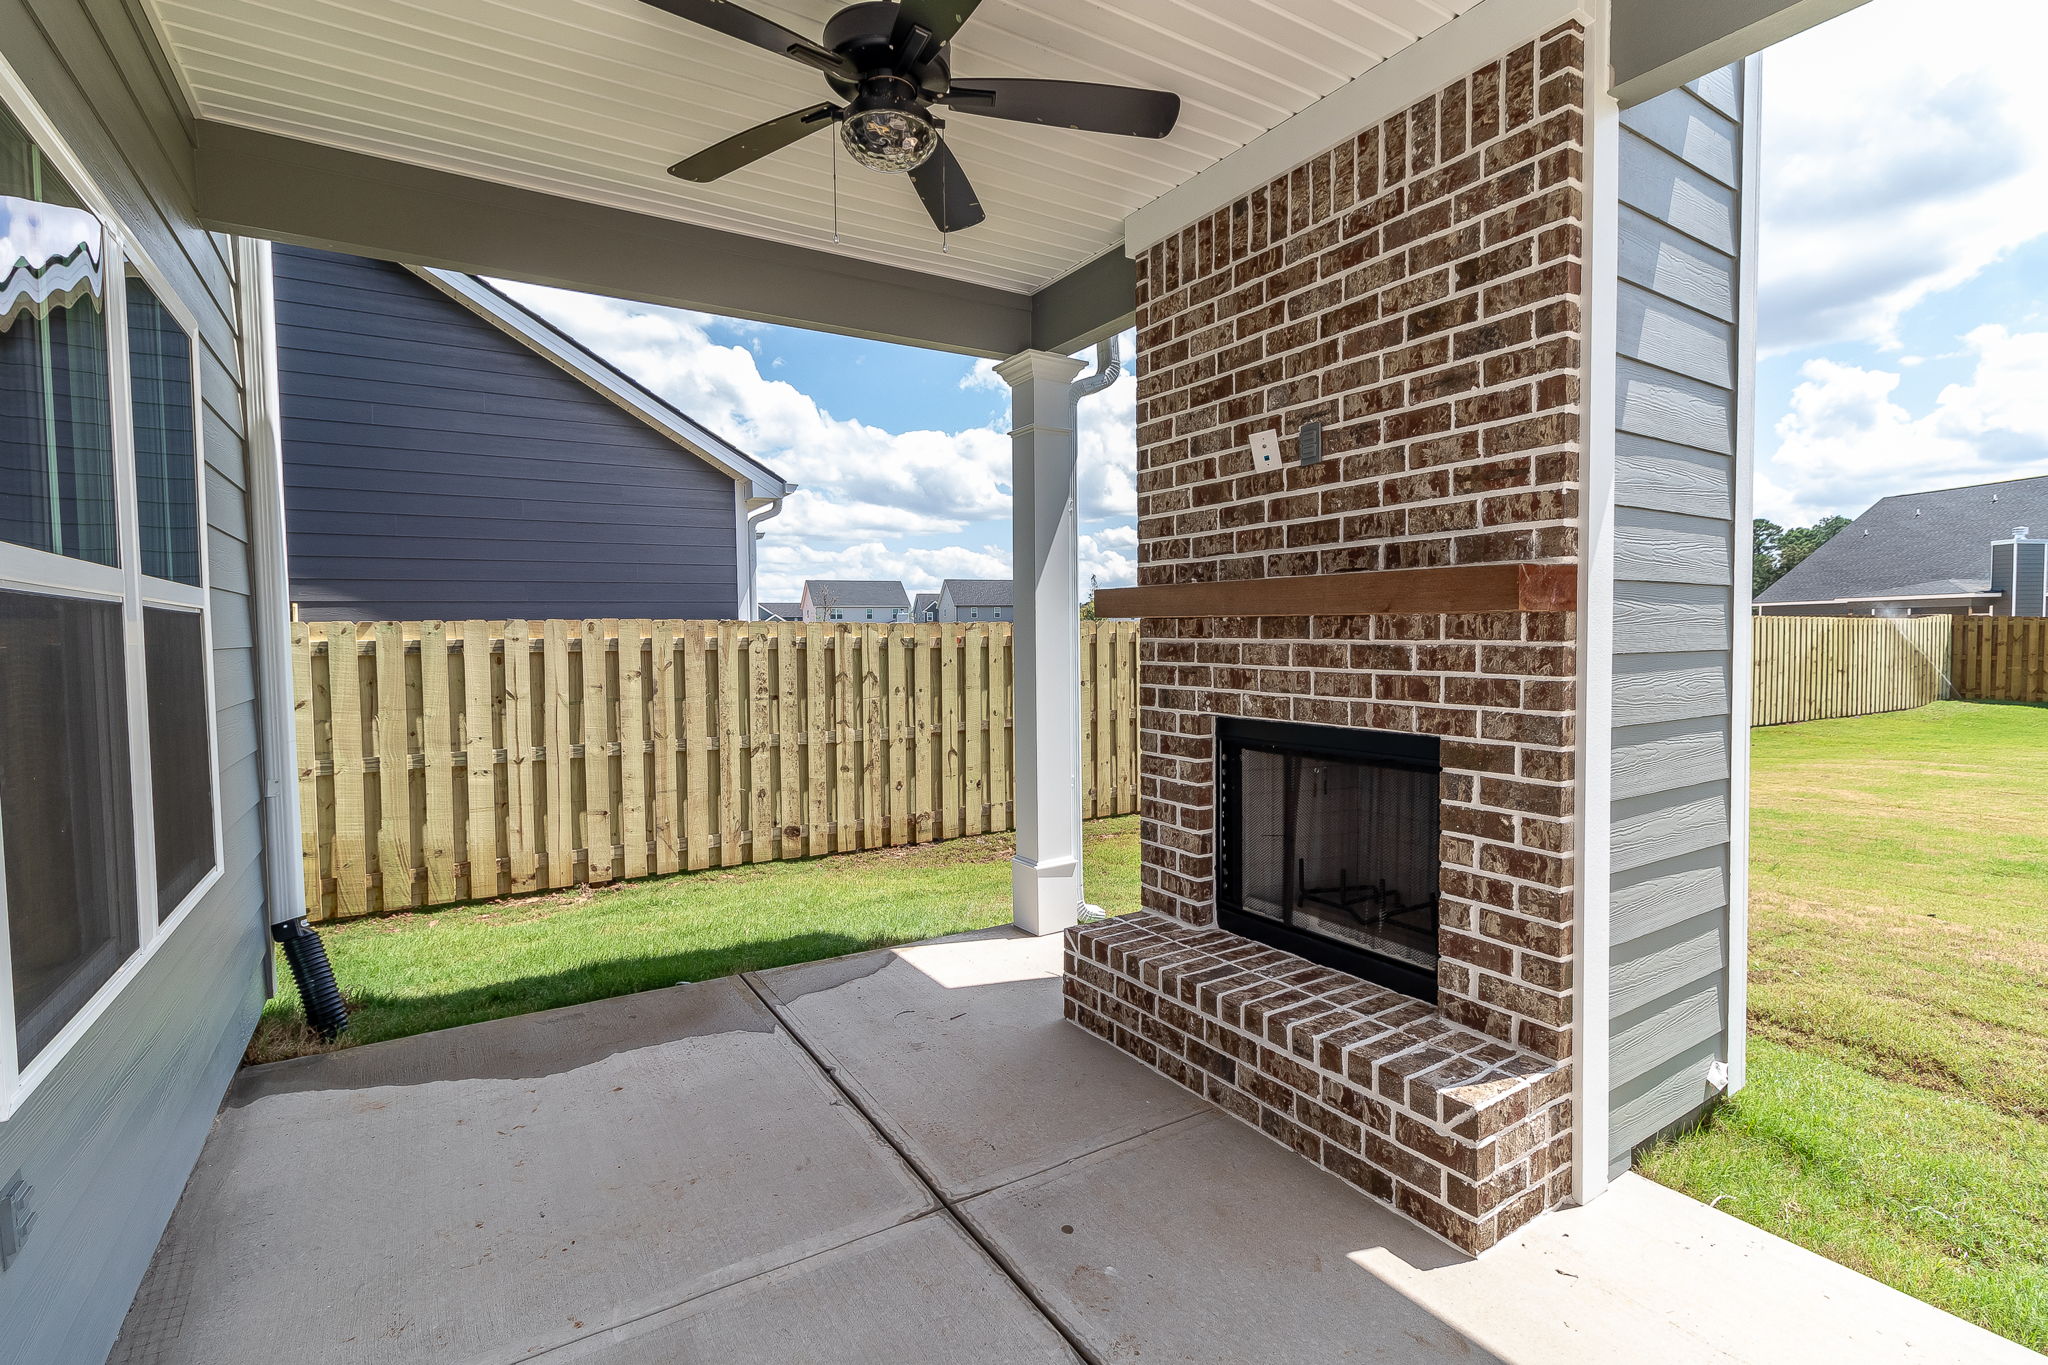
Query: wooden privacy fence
x=449, y=761
x=1823, y=667
x=2002, y=658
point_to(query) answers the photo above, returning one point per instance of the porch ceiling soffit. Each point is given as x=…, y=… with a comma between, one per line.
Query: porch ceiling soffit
x=587, y=101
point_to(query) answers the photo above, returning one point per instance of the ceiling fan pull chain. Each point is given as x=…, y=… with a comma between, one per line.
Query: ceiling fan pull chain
x=833, y=153
x=945, y=227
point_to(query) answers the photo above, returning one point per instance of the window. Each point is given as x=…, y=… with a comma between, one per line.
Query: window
x=166, y=482
x=65, y=794
x=180, y=753
x=56, y=439
x=108, y=827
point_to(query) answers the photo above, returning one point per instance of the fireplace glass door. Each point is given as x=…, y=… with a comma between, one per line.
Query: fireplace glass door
x=1329, y=847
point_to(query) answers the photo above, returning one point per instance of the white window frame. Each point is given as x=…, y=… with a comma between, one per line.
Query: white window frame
x=56, y=575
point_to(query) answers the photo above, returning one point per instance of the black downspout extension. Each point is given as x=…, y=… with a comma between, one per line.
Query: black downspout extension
x=307, y=956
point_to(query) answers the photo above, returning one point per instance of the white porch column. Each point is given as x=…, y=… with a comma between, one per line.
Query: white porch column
x=1045, y=876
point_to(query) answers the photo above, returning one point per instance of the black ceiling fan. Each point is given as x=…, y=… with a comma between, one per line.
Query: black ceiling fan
x=889, y=63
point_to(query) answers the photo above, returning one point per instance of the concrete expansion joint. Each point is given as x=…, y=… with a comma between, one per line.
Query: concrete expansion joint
x=941, y=1203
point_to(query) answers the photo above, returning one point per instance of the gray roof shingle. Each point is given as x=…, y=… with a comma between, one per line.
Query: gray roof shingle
x=1918, y=544
x=855, y=592
x=980, y=592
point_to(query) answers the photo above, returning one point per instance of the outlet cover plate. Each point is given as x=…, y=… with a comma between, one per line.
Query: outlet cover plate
x=1265, y=450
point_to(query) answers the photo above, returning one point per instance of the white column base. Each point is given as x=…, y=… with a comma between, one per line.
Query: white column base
x=1046, y=897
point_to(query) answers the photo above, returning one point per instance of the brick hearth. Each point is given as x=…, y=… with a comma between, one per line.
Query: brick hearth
x=1416, y=290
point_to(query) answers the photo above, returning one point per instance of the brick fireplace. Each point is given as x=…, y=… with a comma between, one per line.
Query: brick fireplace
x=1411, y=297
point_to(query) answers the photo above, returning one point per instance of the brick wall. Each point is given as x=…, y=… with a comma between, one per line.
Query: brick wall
x=1416, y=290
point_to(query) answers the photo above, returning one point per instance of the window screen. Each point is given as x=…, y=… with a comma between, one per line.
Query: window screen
x=166, y=486
x=56, y=433
x=180, y=753
x=64, y=806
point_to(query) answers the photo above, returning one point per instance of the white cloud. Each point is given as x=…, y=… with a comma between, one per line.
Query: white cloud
x=984, y=376
x=1905, y=149
x=864, y=491
x=946, y=479
x=1846, y=441
x=1109, y=558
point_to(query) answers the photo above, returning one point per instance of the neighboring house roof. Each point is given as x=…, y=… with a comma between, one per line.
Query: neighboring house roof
x=979, y=592
x=782, y=611
x=856, y=592
x=1931, y=544
x=515, y=318
x=925, y=602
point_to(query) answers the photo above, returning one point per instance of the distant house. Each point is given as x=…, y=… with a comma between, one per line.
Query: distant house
x=1978, y=550
x=450, y=455
x=925, y=607
x=977, y=599
x=853, y=599
x=782, y=611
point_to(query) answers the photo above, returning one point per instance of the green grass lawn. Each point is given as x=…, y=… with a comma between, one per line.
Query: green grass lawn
x=407, y=973
x=1896, y=1116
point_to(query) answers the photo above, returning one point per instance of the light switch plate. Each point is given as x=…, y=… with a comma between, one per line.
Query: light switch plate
x=1265, y=450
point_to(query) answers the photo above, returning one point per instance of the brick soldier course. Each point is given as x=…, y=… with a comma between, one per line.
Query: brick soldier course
x=1416, y=290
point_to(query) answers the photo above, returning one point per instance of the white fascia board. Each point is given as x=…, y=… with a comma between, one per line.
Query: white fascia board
x=1480, y=35
x=509, y=317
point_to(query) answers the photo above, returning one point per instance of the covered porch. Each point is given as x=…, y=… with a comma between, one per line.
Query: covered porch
x=912, y=1154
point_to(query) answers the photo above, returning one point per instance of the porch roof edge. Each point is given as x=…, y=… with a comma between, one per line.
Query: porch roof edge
x=260, y=184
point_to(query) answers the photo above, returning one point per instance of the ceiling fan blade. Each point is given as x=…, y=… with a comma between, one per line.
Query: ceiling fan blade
x=947, y=195
x=940, y=18
x=1068, y=104
x=743, y=149
x=749, y=27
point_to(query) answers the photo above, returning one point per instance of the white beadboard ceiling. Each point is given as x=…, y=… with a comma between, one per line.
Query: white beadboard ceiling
x=594, y=99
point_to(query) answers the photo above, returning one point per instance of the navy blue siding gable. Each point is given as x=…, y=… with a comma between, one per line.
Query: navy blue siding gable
x=439, y=469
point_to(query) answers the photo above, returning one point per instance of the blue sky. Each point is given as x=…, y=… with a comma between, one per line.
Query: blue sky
x=1904, y=293
x=1903, y=302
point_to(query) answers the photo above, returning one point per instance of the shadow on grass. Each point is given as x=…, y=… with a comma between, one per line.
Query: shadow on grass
x=377, y=1017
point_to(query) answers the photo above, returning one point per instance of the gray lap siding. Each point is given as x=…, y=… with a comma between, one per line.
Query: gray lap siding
x=1674, y=609
x=437, y=468
x=109, y=1136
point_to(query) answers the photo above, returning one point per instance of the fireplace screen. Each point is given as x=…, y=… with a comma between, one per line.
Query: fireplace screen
x=1329, y=847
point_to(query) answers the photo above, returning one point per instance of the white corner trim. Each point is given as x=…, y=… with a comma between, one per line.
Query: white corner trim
x=1742, y=646
x=1468, y=42
x=515, y=321
x=1591, y=957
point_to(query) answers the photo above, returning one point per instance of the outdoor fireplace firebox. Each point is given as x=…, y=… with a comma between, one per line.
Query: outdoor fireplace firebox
x=1329, y=847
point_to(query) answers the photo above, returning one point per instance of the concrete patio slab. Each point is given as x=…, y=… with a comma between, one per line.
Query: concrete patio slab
x=672, y=1177
x=484, y=1193
x=957, y=1050
x=1206, y=1241
x=1646, y=1265
x=919, y=1294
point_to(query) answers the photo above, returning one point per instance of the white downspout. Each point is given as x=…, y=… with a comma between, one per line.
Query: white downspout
x=270, y=586
x=750, y=556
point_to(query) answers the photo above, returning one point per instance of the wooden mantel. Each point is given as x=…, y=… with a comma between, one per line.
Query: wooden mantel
x=1465, y=587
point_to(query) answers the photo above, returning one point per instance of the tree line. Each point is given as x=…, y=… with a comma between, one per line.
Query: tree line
x=1780, y=549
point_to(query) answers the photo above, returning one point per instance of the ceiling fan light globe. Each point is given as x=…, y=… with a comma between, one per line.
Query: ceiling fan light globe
x=889, y=139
